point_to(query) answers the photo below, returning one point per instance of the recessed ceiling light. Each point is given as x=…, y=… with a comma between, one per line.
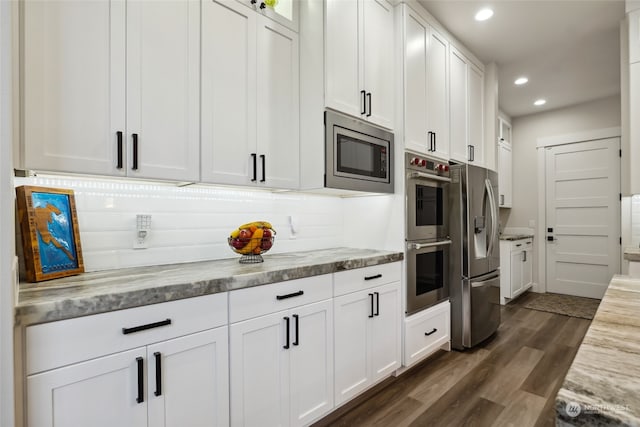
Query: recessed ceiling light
x=521, y=80
x=540, y=102
x=484, y=14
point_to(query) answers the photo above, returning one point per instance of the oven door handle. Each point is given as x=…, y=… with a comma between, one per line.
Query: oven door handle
x=418, y=246
x=430, y=177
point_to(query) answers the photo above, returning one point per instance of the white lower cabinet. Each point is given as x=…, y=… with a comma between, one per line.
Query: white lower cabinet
x=426, y=332
x=367, y=338
x=516, y=263
x=172, y=382
x=282, y=362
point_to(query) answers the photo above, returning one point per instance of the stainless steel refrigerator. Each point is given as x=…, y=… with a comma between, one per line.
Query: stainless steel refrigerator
x=475, y=255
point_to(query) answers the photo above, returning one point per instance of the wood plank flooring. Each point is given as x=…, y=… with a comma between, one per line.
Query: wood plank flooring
x=510, y=380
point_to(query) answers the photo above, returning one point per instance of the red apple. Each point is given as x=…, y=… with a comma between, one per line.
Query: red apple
x=267, y=234
x=237, y=243
x=245, y=235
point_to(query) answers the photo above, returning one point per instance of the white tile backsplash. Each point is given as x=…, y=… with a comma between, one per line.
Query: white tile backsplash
x=189, y=223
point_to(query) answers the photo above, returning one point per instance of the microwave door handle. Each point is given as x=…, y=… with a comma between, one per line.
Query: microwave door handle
x=492, y=206
x=421, y=175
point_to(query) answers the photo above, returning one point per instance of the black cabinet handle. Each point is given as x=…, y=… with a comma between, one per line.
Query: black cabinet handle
x=126, y=331
x=377, y=276
x=369, y=97
x=135, y=151
x=430, y=134
x=140, y=363
x=435, y=141
x=294, y=294
x=364, y=102
x=286, y=319
x=473, y=153
x=254, y=1
x=254, y=156
x=295, y=317
x=262, y=5
x=433, y=331
x=525, y=256
x=262, y=157
x=377, y=304
x=502, y=199
x=158, y=358
x=119, y=149
x=518, y=245
x=469, y=157
x=371, y=297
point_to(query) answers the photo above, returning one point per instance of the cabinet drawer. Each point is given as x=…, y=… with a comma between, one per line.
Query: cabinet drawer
x=362, y=278
x=260, y=300
x=55, y=344
x=425, y=332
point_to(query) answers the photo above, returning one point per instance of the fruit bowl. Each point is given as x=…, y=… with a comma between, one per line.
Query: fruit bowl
x=251, y=240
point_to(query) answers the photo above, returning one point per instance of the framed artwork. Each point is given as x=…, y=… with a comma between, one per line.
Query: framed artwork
x=50, y=235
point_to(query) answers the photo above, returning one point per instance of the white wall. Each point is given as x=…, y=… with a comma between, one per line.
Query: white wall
x=6, y=221
x=598, y=114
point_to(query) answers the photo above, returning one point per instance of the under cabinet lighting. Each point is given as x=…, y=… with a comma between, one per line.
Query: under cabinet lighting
x=540, y=102
x=484, y=14
x=521, y=80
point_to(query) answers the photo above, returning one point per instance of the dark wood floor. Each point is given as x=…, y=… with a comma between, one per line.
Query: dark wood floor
x=510, y=380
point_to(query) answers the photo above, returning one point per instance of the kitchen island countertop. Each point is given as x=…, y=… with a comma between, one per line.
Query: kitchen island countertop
x=602, y=386
x=104, y=291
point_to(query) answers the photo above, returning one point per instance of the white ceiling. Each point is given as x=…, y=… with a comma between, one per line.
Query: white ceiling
x=569, y=49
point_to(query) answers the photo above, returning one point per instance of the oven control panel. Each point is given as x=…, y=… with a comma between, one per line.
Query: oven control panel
x=425, y=164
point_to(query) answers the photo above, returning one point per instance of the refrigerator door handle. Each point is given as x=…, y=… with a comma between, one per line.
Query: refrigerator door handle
x=494, y=228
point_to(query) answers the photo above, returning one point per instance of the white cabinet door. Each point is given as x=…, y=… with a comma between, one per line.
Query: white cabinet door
x=438, y=93
x=385, y=331
x=527, y=268
x=278, y=106
x=228, y=92
x=505, y=175
x=458, y=98
x=416, y=101
x=476, y=114
x=378, y=60
x=102, y=392
x=163, y=89
x=188, y=380
x=343, y=56
x=259, y=367
x=516, y=272
x=353, y=313
x=311, y=360
x=74, y=85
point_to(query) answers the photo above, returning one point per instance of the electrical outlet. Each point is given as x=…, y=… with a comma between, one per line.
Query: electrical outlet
x=143, y=228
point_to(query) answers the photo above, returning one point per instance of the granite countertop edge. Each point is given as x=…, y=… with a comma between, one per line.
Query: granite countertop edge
x=106, y=291
x=632, y=254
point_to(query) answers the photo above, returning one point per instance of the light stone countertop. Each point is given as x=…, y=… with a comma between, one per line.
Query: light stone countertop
x=632, y=253
x=604, y=378
x=99, y=292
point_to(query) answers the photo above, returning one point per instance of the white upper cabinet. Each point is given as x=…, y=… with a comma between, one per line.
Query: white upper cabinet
x=505, y=175
x=466, y=109
x=634, y=36
x=112, y=88
x=359, y=59
x=250, y=105
x=426, y=91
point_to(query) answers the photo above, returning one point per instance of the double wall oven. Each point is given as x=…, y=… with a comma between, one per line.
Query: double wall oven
x=427, y=232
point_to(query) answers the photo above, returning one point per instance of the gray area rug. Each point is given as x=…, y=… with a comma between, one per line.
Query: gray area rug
x=567, y=305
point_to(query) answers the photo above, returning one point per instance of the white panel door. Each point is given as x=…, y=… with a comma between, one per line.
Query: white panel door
x=476, y=114
x=459, y=123
x=416, y=34
x=353, y=312
x=163, y=89
x=583, y=210
x=259, y=377
x=438, y=93
x=385, y=331
x=311, y=362
x=192, y=388
x=228, y=92
x=101, y=392
x=378, y=61
x=343, y=56
x=278, y=106
x=74, y=85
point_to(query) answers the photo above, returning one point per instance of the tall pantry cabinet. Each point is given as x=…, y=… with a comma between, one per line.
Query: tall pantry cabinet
x=112, y=88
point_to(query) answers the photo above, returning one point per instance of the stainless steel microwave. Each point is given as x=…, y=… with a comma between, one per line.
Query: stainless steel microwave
x=358, y=155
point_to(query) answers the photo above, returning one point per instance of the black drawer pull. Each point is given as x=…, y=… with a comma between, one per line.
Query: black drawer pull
x=518, y=245
x=377, y=276
x=140, y=363
x=145, y=327
x=431, y=333
x=119, y=148
x=158, y=358
x=135, y=152
x=295, y=294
